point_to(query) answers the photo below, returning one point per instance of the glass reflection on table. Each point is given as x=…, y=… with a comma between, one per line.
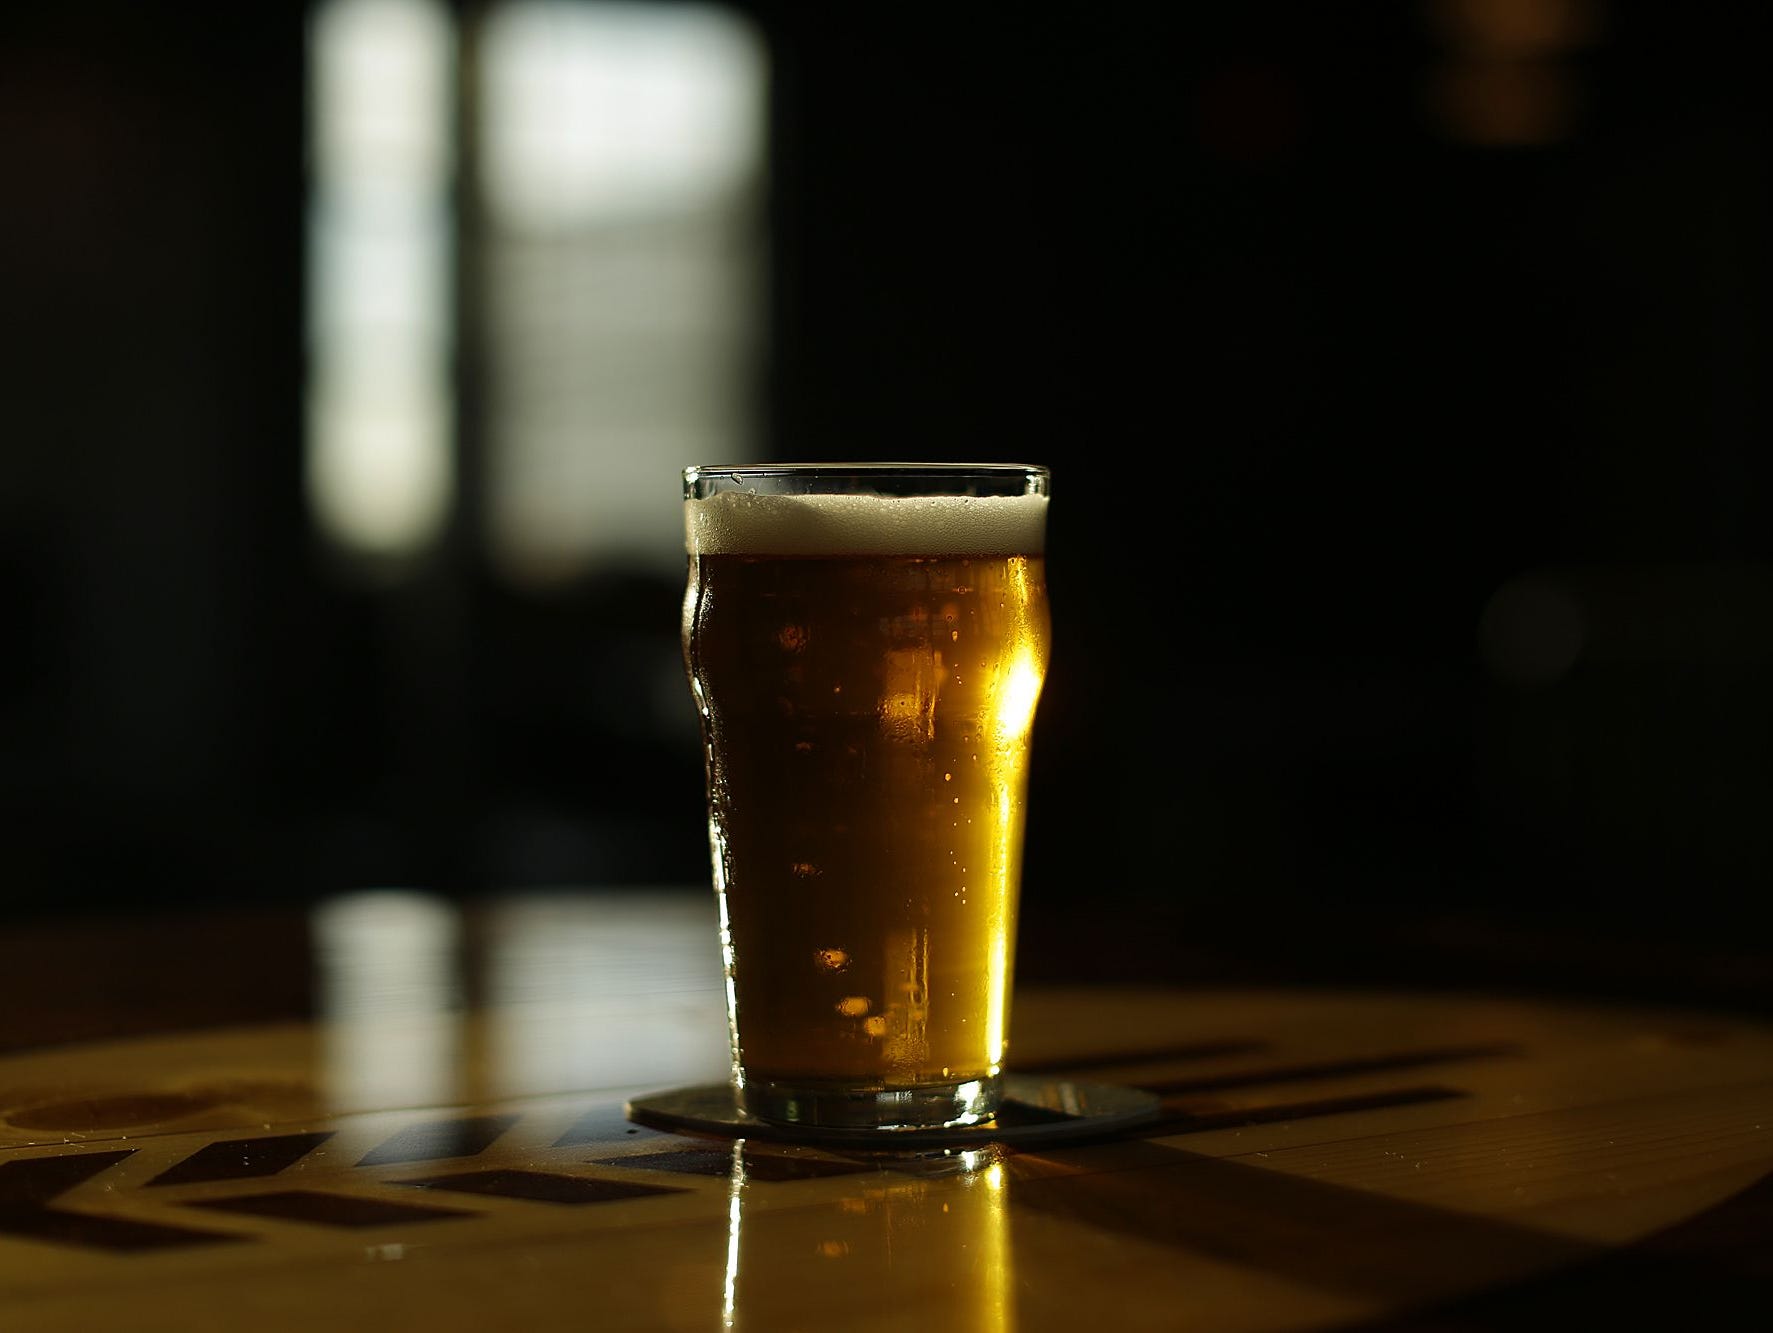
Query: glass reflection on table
x=932, y=1232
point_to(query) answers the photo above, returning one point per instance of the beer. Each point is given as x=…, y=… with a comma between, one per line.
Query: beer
x=866, y=669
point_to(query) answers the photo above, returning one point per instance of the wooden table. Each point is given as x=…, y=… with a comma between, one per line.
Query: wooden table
x=441, y=1144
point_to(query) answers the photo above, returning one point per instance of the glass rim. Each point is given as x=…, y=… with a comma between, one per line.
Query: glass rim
x=873, y=468
x=908, y=480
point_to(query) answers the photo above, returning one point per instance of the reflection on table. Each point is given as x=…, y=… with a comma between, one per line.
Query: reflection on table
x=445, y=1145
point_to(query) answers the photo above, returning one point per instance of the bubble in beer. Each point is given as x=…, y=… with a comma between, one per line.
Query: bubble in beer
x=875, y=1026
x=832, y=960
x=853, y=1006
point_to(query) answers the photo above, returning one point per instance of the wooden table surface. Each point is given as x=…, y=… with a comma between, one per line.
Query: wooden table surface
x=441, y=1144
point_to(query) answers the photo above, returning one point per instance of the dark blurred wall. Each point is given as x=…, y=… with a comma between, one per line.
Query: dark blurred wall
x=1399, y=366
x=1404, y=392
x=150, y=538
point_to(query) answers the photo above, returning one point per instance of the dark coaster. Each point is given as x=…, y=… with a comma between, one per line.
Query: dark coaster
x=1036, y=1111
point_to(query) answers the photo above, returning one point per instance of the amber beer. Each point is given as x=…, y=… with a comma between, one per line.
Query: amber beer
x=866, y=667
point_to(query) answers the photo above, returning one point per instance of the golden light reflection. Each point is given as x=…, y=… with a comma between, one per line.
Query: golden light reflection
x=997, y=996
x=1017, y=695
x=735, y=1193
x=938, y=1228
x=1006, y=770
x=1019, y=689
x=994, y=1251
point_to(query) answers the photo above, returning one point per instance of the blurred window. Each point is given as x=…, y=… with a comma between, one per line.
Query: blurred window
x=609, y=216
x=380, y=420
x=622, y=150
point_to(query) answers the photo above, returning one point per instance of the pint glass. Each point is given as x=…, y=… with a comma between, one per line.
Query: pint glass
x=866, y=643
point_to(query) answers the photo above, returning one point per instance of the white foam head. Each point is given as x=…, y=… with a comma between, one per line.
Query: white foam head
x=742, y=523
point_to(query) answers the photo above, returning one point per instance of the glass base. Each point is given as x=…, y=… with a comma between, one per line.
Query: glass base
x=845, y=1106
x=1036, y=1113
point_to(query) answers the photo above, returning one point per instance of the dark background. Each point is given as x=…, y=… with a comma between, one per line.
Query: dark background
x=1403, y=386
